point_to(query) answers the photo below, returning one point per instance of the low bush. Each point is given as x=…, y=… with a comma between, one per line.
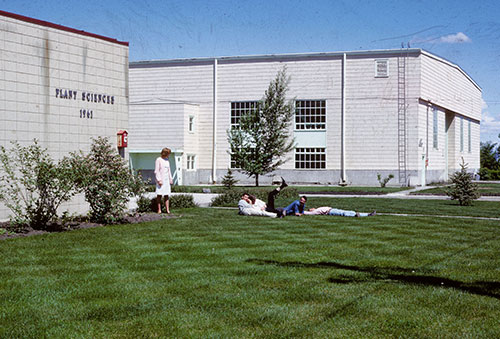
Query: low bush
x=145, y=205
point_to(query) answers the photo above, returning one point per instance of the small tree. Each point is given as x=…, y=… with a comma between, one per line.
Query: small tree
x=463, y=189
x=104, y=178
x=228, y=180
x=33, y=186
x=383, y=182
x=260, y=143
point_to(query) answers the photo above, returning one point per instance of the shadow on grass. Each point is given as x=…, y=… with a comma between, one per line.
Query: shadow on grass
x=397, y=274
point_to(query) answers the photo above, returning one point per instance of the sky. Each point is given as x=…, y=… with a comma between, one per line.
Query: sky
x=466, y=33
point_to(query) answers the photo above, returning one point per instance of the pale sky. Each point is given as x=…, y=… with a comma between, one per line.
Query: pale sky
x=466, y=33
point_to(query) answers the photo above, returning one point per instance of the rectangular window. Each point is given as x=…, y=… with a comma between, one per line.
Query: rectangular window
x=310, y=114
x=310, y=158
x=381, y=68
x=469, y=137
x=435, y=128
x=191, y=124
x=461, y=134
x=191, y=162
x=235, y=164
x=240, y=108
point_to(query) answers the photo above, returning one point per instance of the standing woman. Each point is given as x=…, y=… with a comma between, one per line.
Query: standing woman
x=163, y=178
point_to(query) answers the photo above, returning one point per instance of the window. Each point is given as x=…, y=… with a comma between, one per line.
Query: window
x=381, y=68
x=314, y=158
x=234, y=163
x=191, y=124
x=461, y=134
x=310, y=114
x=469, y=137
x=435, y=128
x=191, y=162
x=238, y=109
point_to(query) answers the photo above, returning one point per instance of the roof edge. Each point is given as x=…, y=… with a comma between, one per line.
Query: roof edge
x=258, y=57
x=60, y=27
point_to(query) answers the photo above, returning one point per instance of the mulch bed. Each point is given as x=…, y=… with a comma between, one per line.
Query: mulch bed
x=76, y=225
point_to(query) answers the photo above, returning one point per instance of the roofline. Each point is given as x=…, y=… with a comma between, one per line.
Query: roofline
x=60, y=27
x=296, y=56
x=449, y=63
x=263, y=57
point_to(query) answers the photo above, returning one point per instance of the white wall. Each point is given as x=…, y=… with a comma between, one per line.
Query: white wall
x=36, y=60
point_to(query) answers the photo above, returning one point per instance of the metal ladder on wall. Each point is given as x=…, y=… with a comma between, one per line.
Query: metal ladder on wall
x=402, y=157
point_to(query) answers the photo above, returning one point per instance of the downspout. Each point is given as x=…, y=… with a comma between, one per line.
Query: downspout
x=343, y=177
x=214, y=124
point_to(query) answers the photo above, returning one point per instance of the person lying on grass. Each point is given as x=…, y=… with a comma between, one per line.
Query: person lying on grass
x=326, y=210
x=250, y=205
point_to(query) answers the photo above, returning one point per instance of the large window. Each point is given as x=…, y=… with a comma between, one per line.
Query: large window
x=435, y=128
x=238, y=109
x=310, y=114
x=310, y=157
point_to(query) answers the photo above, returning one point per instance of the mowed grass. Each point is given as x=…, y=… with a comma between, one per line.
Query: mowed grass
x=485, y=188
x=212, y=273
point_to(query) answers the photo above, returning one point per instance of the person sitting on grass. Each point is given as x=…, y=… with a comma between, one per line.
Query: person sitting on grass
x=326, y=210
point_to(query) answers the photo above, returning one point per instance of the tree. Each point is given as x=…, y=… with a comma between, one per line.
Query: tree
x=262, y=140
x=463, y=189
x=490, y=161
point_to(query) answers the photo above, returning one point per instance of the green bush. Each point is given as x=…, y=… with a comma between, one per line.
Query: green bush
x=182, y=201
x=33, y=186
x=105, y=179
x=383, y=181
x=176, y=201
x=144, y=205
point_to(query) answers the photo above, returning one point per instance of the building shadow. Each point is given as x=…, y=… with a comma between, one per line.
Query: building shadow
x=394, y=274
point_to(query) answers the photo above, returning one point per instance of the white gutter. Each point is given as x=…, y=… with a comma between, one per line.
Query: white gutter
x=343, y=178
x=214, y=124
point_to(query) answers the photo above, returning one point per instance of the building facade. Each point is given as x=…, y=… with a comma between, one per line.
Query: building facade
x=360, y=114
x=60, y=86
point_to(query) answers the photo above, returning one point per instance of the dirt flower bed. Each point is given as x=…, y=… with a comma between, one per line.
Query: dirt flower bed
x=77, y=224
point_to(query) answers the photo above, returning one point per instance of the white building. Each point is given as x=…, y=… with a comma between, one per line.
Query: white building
x=59, y=85
x=358, y=114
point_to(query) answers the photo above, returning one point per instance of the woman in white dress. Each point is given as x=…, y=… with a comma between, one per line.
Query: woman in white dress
x=163, y=179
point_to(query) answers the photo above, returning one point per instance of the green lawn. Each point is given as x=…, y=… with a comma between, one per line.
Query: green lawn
x=212, y=273
x=316, y=189
x=484, y=189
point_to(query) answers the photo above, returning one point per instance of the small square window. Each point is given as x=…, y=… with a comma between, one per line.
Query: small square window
x=381, y=68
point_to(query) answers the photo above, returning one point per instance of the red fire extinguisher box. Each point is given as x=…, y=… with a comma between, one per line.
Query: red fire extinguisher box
x=122, y=138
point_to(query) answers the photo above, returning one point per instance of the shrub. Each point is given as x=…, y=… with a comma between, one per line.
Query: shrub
x=384, y=181
x=176, y=201
x=463, y=189
x=33, y=185
x=228, y=180
x=104, y=178
x=182, y=201
x=144, y=205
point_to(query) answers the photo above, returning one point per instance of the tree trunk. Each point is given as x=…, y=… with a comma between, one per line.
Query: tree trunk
x=256, y=180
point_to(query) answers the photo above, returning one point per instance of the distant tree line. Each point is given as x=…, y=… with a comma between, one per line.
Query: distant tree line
x=490, y=160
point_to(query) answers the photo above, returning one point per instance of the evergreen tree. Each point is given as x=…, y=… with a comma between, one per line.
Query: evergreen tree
x=263, y=139
x=463, y=189
x=228, y=180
